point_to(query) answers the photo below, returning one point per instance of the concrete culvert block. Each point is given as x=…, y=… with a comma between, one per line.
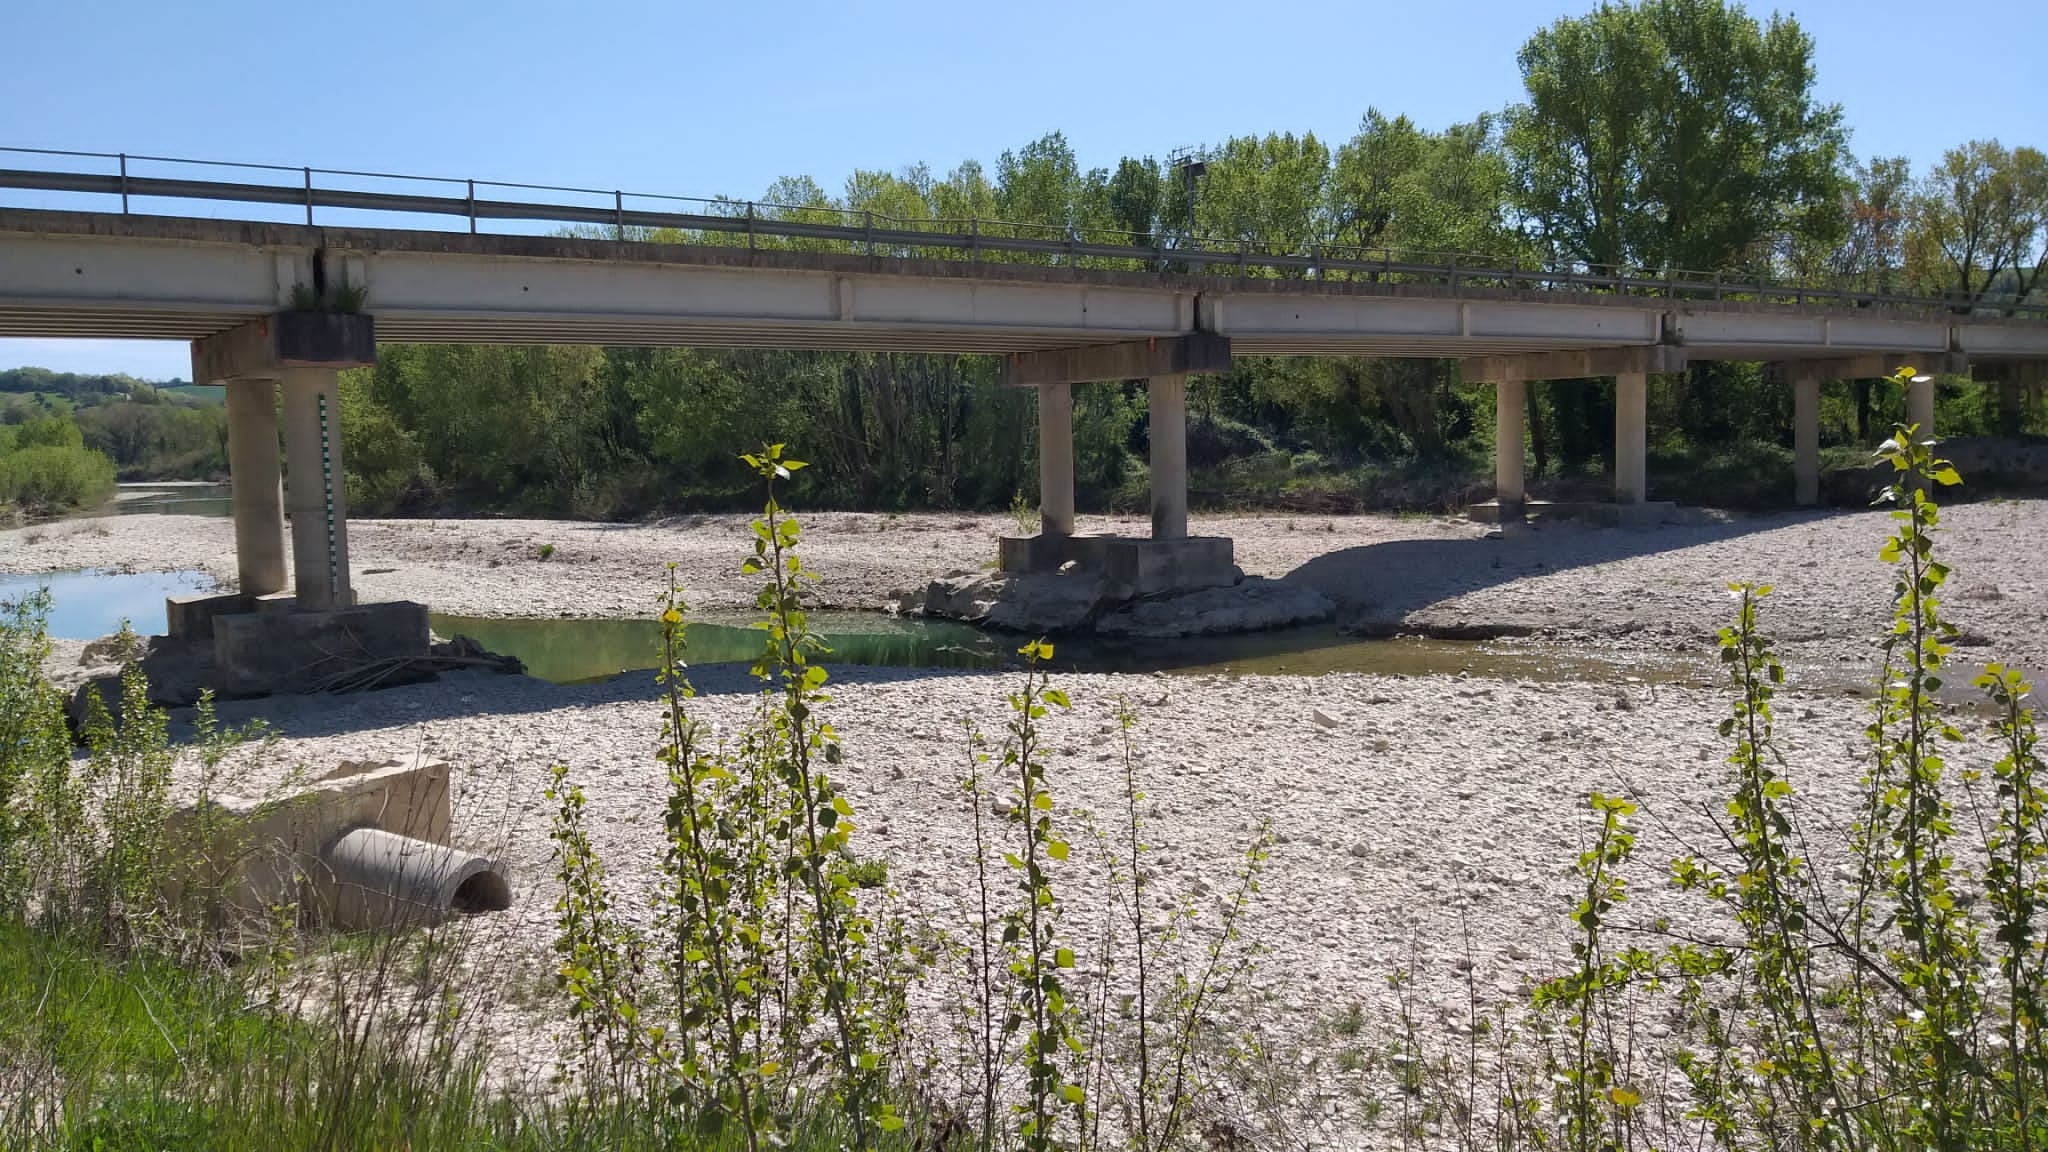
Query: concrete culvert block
x=379, y=879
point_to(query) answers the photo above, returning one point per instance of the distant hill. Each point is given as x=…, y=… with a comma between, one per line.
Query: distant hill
x=85, y=390
x=204, y=393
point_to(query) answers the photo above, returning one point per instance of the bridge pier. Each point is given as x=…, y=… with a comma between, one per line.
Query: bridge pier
x=1806, y=442
x=1170, y=560
x=1168, y=399
x=1509, y=417
x=256, y=485
x=261, y=641
x=1631, y=438
x=312, y=417
x=1056, y=459
x=1920, y=405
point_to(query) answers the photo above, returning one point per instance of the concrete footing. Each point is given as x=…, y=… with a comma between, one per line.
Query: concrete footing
x=260, y=652
x=192, y=617
x=1592, y=511
x=1137, y=567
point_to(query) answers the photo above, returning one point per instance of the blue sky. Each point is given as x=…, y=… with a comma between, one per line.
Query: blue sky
x=704, y=99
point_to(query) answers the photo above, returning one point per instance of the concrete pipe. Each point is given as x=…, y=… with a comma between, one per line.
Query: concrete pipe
x=380, y=879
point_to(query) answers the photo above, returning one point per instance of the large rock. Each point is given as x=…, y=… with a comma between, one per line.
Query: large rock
x=1019, y=602
x=1252, y=604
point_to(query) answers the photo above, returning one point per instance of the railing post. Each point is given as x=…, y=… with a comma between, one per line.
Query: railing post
x=1717, y=285
x=1070, y=245
x=619, y=216
x=472, y=207
x=870, y=214
x=974, y=239
x=124, y=183
x=1454, y=273
x=309, y=196
x=750, y=225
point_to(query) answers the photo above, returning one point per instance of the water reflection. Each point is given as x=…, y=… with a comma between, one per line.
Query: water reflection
x=89, y=603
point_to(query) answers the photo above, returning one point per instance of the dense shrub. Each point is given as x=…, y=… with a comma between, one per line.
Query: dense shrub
x=55, y=478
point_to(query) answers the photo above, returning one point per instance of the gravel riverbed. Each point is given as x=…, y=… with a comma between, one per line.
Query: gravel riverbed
x=1649, y=588
x=1421, y=823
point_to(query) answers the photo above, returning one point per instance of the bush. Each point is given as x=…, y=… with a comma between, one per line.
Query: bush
x=55, y=478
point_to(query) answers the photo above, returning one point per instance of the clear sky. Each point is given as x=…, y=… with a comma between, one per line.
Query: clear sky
x=722, y=98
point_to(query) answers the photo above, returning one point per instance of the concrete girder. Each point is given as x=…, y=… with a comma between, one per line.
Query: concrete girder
x=2013, y=373
x=1868, y=366
x=1574, y=364
x=98, y=274
x=1197, y=353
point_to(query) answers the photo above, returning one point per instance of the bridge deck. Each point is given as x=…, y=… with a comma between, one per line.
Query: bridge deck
x=160, y=277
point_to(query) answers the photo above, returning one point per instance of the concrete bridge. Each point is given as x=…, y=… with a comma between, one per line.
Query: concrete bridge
x=273, y=304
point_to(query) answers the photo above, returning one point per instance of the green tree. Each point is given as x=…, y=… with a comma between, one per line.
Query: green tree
x=1673, y=135
x=1980, y=219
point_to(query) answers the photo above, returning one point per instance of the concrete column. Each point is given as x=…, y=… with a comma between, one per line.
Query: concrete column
x=312, y=435
x=1056, y=459
x=1168, y=396
x=1510, y=414
x=256, y=486
x=1920, y=407
x=1631, y=438
x=1806, y=443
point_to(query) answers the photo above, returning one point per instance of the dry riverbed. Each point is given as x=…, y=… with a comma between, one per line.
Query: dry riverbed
x=1423, y=824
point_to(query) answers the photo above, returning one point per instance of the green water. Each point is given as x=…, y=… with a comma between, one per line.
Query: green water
x=571, y=651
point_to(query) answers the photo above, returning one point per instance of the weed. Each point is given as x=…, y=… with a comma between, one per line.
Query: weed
x=1025, y=515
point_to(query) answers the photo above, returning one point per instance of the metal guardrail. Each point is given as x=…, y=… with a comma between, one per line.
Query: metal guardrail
x=727, y=222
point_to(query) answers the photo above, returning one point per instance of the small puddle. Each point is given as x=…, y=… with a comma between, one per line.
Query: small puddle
x=88, y=603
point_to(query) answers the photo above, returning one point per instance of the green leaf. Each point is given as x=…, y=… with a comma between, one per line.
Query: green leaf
x=1063, y=958
x=1057, y=849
